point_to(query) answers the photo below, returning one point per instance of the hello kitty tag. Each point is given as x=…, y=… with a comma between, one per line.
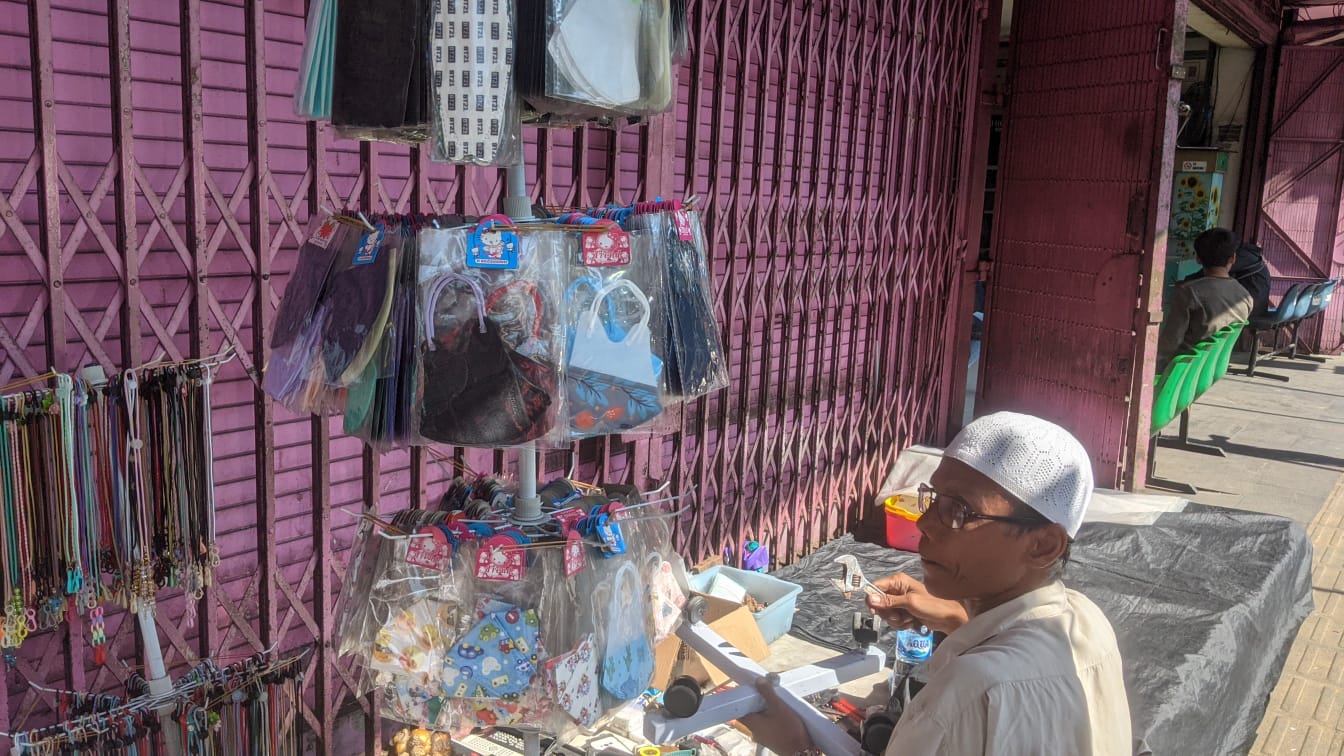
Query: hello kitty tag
x=430, y=549
x=500, y=559
x=607, y=247
x=574, y=561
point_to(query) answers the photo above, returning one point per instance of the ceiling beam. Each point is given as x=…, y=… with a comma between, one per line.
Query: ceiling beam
x=1316, y=30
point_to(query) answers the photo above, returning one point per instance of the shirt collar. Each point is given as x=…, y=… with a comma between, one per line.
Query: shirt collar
x=1046, y=601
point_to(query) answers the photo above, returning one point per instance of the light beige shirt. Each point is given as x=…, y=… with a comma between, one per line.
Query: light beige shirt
x=1038, y=675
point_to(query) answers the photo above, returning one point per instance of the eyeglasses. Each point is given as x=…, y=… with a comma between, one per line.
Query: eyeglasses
x=955, y=513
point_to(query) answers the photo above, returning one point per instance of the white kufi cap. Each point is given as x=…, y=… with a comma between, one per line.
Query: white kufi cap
x=1038, y=462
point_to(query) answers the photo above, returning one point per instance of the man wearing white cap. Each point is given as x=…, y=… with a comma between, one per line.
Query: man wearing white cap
x=1028, y=666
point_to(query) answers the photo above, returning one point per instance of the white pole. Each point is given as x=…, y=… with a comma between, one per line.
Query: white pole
x=159, y=683
x=526, y=507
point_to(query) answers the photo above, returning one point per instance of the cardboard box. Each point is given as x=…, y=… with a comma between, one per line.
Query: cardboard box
x=732, y=621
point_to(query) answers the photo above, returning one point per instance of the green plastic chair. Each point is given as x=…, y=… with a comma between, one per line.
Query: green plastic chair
x=1226, y=358
x=1209, y=373
x=1202, y=356
x=1167, y=391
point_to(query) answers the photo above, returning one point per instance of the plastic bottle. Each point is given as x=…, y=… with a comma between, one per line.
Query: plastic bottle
x=913, y=648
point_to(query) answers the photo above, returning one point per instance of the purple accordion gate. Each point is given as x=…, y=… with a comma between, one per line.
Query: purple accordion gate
x=154, y=184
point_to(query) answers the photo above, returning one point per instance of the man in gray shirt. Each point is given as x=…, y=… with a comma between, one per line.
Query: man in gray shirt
x=1199, y=307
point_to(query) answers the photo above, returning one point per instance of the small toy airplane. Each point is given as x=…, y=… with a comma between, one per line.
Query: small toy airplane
x=851, y=578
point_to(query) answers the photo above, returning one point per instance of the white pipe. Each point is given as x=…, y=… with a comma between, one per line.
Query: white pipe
x=517, y=203
x=526, y=507
x=159, y=683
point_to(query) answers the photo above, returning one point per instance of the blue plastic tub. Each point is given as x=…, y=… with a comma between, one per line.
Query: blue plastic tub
x=781, y=597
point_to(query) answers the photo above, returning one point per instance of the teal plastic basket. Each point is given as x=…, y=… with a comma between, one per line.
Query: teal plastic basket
x=780, y=596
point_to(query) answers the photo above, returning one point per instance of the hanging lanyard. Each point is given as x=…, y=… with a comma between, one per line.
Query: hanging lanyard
x=9, y=549
x=143, y=585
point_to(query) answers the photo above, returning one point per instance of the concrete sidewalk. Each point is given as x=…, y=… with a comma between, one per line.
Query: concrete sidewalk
x=1285, y=456
x=1284, y=441
x=1306, y=710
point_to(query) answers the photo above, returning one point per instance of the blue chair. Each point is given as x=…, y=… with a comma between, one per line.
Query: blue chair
x=1321, y=293
x=1275, y=321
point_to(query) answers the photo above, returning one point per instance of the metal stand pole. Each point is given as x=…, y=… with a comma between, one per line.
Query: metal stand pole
x=159, y=682
x=527, y=505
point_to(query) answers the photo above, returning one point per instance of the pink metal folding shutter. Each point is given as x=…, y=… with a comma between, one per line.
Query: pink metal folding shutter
x=1079, y=228
x=154, y=185
x=1301, y=208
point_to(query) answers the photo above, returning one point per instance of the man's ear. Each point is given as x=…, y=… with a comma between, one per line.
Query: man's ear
x=1047, y=546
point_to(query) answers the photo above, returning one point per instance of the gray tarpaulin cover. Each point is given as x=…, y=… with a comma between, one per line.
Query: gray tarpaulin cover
x=1205, y=603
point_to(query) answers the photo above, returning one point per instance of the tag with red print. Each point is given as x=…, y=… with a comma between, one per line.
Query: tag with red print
x=683, y=224
x=610, y=246
x=574, y=557
x=568, y=518
x=500, y=559
x=430, y=550
x=324, y=233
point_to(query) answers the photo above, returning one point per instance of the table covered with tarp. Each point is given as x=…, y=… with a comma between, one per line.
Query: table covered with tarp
x=1205, y=602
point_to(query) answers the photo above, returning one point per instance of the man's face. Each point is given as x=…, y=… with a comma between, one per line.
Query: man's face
x=984, y=558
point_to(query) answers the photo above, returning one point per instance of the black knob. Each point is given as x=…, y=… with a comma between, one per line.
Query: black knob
x=682, y=697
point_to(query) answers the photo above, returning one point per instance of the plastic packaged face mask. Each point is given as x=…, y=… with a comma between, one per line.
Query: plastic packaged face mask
x=497, y=658
x=665, y=598
x=611, y=385
x=574, y=677
x=410, y=646
x=477, y=118
x=627, y=664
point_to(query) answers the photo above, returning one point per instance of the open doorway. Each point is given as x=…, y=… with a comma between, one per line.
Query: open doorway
x=1217, y=72
x=986, y=231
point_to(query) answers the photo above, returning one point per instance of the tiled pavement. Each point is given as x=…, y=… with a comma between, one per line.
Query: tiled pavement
x=1306, y=710
x=1285, y=455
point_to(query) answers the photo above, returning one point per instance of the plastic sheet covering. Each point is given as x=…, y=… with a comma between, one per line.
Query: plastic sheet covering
x=1205, y=603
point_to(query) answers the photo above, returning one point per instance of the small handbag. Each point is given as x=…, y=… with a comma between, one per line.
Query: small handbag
x=477, y=391
x=611, y=384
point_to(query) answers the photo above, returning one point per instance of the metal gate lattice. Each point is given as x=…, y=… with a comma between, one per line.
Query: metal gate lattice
x=156, y=186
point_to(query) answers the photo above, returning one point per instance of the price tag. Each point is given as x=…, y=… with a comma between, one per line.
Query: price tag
x=574, y=558
x=607, y=247
x=500, y=559
x=683, y=224
x=568, y=518
x=433, y=552
x=367, y=252
x=493, y=244
x=323, y=235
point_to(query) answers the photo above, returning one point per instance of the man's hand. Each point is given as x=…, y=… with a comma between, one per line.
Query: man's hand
x=777, y=728
x=908, y=603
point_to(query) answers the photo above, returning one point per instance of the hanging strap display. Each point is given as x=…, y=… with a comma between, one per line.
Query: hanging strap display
x=104, y=479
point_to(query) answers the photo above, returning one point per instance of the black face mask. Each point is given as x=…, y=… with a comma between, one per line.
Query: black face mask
x=477, y=391
x=306, y=284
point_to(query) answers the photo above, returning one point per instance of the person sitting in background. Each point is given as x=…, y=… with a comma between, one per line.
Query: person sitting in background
x=1252, y=273
x=1199, y=307
x=1028, y=666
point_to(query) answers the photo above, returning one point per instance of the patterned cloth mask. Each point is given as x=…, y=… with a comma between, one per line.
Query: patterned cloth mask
x=612, y=385
x=497, y=658
x=665, y=598
x=574, y=679
x=410, y=646
x=627, y=664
